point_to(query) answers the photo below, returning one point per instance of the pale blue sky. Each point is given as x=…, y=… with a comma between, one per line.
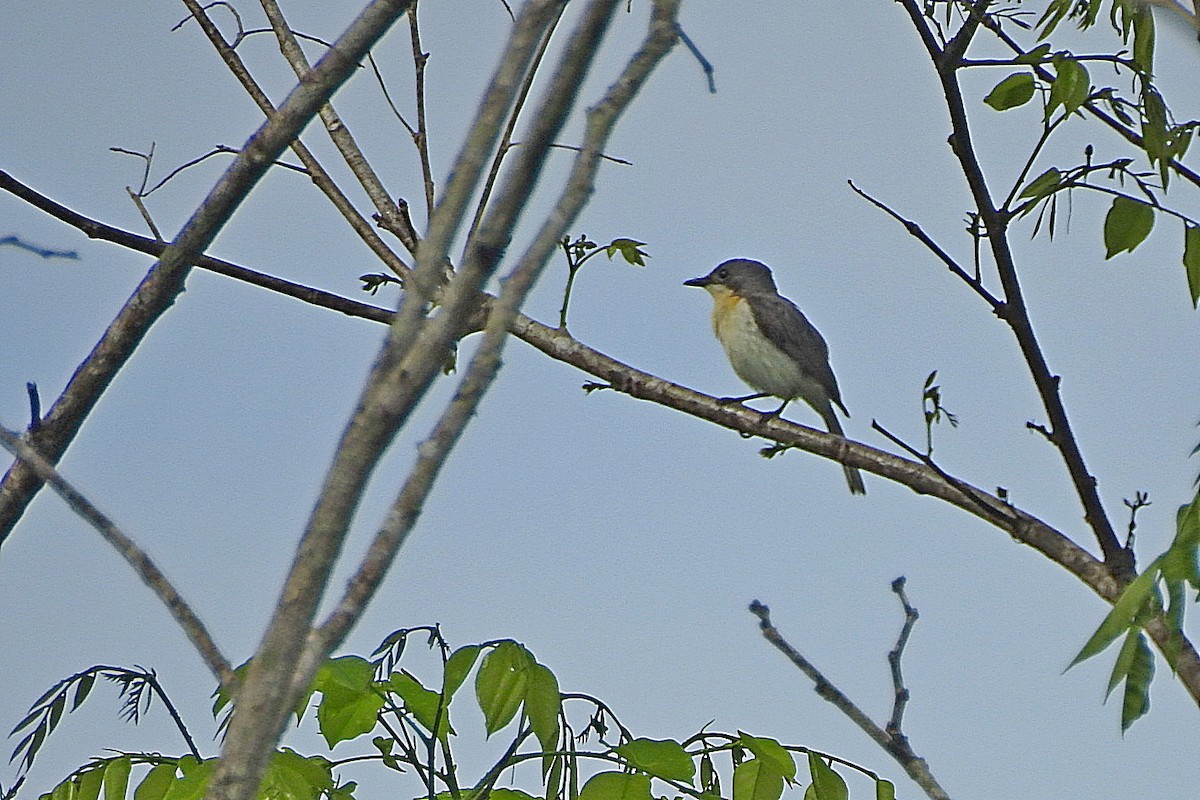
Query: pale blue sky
x=618, y=540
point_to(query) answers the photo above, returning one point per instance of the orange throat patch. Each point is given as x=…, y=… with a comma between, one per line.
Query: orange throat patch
x=724, y=302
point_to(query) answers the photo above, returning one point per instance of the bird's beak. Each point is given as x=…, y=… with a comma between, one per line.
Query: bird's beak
x=701, y=282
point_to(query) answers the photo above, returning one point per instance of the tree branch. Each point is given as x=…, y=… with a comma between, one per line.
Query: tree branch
x=894, y=743
x=502, y=312
x=1015, y=312
x=416, y=347
x=158, y=290
x=137, y=558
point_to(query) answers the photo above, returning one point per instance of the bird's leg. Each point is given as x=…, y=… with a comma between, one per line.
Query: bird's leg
x=776, y=412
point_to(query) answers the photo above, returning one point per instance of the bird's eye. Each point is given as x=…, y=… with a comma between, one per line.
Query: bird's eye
x=723, y=274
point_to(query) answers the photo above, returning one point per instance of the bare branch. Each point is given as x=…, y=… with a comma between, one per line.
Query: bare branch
x=336, y=128
x=895, y=726
x=421, y=135
x=321, y=178
x=397, y=381
x=895, y=745
x=486, y=362
x=137, y=558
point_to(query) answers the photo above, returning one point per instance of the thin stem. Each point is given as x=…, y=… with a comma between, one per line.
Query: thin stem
x=421, y=136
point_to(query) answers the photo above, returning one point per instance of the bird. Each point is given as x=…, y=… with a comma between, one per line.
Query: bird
x=772, y=346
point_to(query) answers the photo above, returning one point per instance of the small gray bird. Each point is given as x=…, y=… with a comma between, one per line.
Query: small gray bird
x=771, y=345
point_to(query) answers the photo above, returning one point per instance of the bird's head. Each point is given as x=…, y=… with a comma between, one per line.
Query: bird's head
x=738, y=276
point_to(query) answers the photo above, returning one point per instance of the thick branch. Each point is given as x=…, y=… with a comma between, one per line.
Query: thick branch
x=502, y=312
x=165, y=280
x=415, y=349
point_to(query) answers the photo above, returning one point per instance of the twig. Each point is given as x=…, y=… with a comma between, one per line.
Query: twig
x=137, y=558
x=1140, y=500
x=339, y=134
x=142, y=244
x=895, y=726
x=319, y=176
x=705, y=64
x=21, y=244
x=916, y=231
x=421, y=136
x=506, y=137
x=35, y=406
x=896, y=746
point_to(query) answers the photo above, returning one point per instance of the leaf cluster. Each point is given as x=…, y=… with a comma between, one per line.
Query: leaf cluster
x=1158, y=593
x=405, y=723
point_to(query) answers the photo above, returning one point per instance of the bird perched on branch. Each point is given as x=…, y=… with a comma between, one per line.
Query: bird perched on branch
x=771, y=345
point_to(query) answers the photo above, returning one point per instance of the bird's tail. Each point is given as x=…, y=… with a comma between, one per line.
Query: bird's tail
x=853, y=476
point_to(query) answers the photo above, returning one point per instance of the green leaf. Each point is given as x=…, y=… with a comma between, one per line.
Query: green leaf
x=349, y=700
x=629, y=249
x=1137, y=684
x=422, y=703
x=1143, y=39
x=82, y=689
x=757, y=779
x=458, y=665
x=1070, y=87
x=884, y=790
x=771, y=752
x=116, y=778
x=291, y=776
x=89, y=784
x=1015, y=90
x=1035, y=56
x=1043, y=184
x=500, y=684
x=661, y=758
x=510, y=794
x=1127, y=225
x=616, y=786
x=1179, y=562
x=64, y=791
x=1191, y=260
x=156, y=783
x=1124, y=661
x=543, y=703
x=194, y=783
x=826, y=784
x=1123, y=613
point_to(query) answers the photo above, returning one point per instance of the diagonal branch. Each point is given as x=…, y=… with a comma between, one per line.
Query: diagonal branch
x=335, y=127
x=393, y=222
x=416, y=347
x=893, y=742
x=502, y=312
x=158, y=290
x=1014, y=312
x=142, y=564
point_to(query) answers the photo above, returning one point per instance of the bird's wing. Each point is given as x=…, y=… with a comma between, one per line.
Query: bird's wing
x=787, y=327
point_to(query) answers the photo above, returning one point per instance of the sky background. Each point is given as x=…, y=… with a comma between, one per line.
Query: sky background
x=620, y=541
